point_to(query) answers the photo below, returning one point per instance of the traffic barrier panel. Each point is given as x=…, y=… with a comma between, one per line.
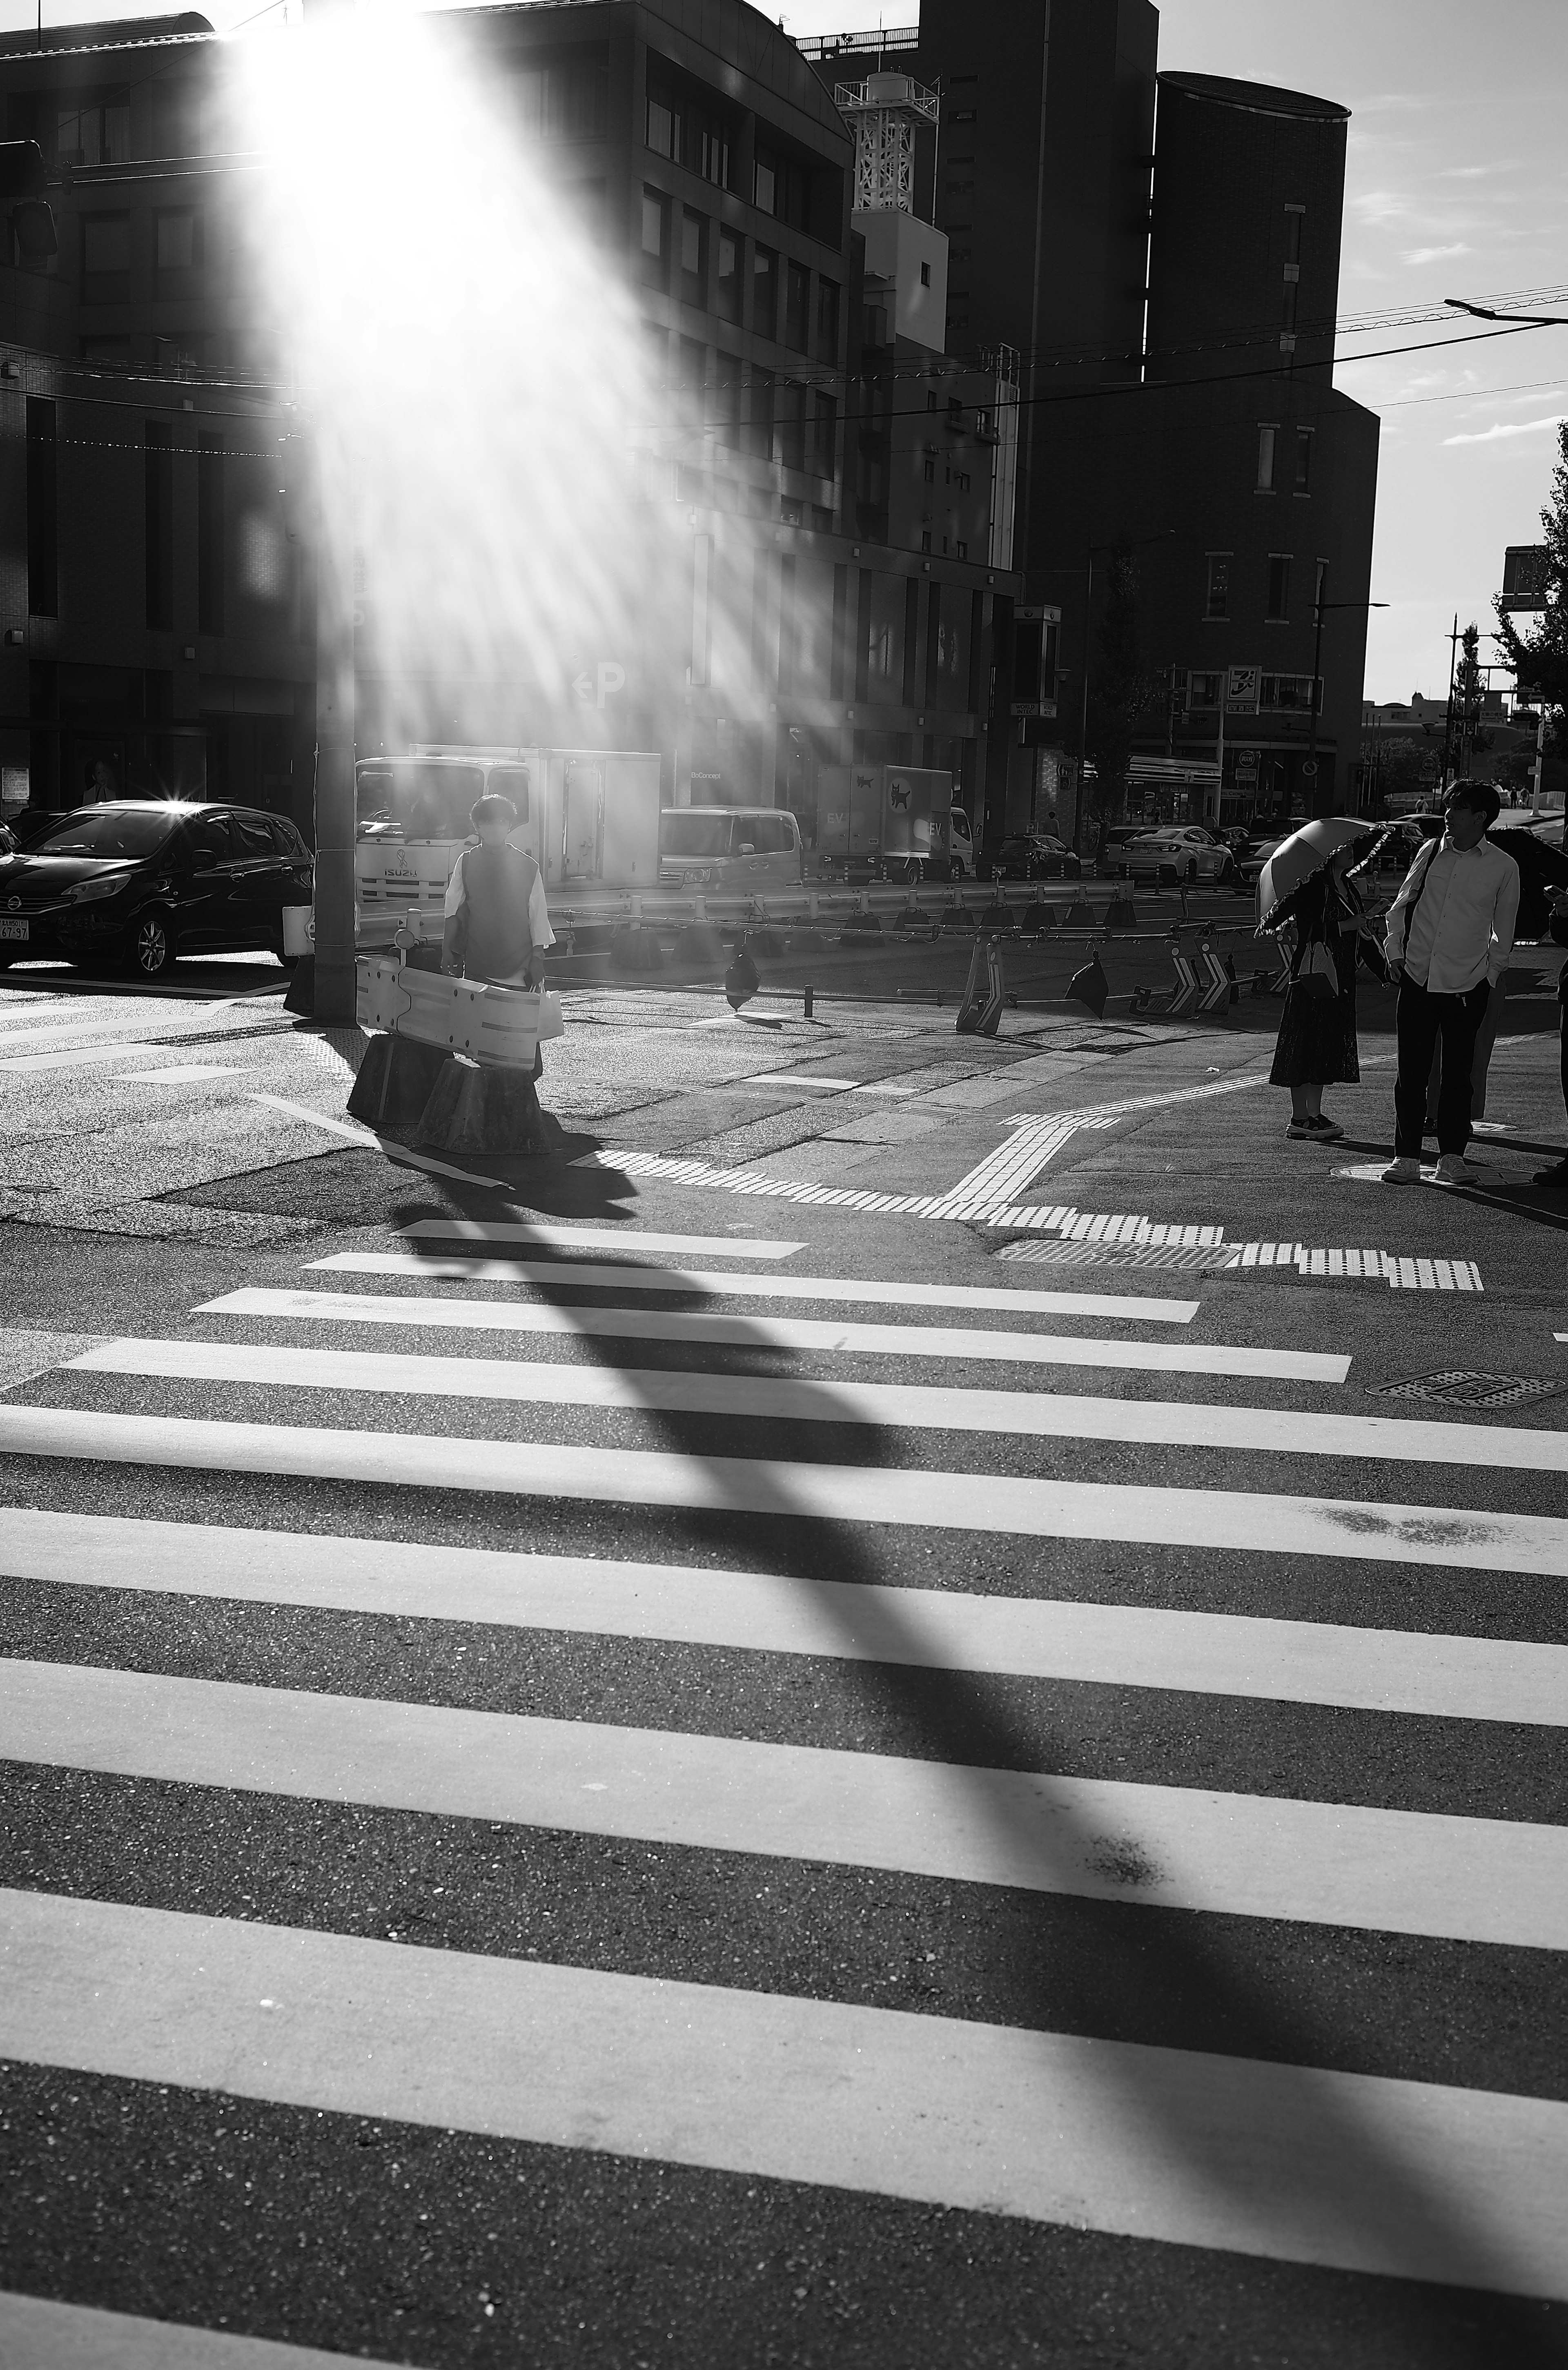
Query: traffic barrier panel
x=981, y=1011
x=1121, y=914
x=1081, y=915
x=1038, y=918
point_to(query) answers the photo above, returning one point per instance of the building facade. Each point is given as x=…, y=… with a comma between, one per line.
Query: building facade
x=823, y=610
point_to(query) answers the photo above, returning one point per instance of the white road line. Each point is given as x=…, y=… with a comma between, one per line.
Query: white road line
x=583, y=1275
x=839, y=1337
x=766, y=1079
x=402, y=1155
x=1111, y=1645
x=623, y=1240
x=39, y=2333
x=1408, y=2180
x=179, y=1073
x=74, y=1058
x=1491, y=1881
x=987, y=1504
x=1034, y=1415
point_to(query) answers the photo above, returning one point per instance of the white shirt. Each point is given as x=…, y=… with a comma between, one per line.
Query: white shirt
x=1461, y=929
x=539, y=928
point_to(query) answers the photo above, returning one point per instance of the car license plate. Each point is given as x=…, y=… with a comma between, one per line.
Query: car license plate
x=12, y=930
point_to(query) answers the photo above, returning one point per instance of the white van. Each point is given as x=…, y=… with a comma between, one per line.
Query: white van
x=729, y=851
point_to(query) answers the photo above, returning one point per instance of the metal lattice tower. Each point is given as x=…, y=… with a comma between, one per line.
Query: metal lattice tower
x=886, y=110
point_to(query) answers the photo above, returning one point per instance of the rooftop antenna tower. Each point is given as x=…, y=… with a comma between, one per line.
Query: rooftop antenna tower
x=886, y=112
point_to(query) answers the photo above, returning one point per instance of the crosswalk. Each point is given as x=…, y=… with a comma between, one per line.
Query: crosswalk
x=786, y=1613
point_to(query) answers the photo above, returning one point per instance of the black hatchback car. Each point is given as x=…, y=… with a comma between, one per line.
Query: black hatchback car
x=134, y=882
x=1037, y=855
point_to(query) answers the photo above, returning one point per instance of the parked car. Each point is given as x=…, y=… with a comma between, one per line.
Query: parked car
x=729, y=851
x=133, y=882
x=1111, y=863
x=1194, y=852
x=1035, y=855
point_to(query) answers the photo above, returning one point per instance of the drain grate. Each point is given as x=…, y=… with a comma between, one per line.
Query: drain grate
x=1463, y=1390
x=1185, y=1256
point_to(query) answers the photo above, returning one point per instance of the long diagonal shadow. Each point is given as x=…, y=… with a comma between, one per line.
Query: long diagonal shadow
x=1129, y=1991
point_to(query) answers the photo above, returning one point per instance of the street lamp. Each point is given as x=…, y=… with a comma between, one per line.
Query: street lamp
x=1320, y=608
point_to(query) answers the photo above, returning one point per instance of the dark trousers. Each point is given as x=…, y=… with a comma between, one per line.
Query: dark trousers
x=1421, y=1019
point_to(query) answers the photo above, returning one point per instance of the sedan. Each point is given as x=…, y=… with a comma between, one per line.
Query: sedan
x=133, y=882
x=1193, y=852
x=1037, y=856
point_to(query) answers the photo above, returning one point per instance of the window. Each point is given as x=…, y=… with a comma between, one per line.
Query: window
x=663, y=131
x=1266, y=460
x=43, y=544
x=765, y=293
x=106, y=246
x=157, y=461
x=655, y=239
x=963, y=551
x=713, y=155
x=1217, y=604
x=926, y=539
x=94, y=135
x=1304, y=460
x=725, y=409
x=930, y=400
x=694, y=257
x=931, y=471
x=764, y=184
x=1289, y=695
x=207, y=841
x=761, y=440
x=1288, y=316
x=791, y=439
x=824, y=434
x=925, y=275
x=1203, y=689
x=1294, y=217
x=827, y=320
x=788, y=188
x=797, y=300
x=1278, y=611
x=255, y=835
x=209, y=536
x=1321, y=585
x=568, y=99
x=694, y=372
x=178, y=239
x=727, y=277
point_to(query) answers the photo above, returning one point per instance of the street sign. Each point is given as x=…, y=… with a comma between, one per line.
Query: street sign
x=1524, y=576
x=1309, y=770
x=1242, y=687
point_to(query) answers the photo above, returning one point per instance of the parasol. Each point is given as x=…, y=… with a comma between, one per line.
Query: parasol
x=1305, y=852
x=1542, y=868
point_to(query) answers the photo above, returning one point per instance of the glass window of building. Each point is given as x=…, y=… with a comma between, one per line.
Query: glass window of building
x=765, y=183
x=694, y=257
x=1267, y=436
x=105, y=244
x=1217, y=601
x=1278, y=610
x=827, y=319
x=727, y=276
x=824, y=433
x=724, y=410
x=178, y=239
x=797, y=297
x=1304, y=460
x=765, y=293
x=93, y=136
x=664, y=129
x=760, y=439
x=655, y=239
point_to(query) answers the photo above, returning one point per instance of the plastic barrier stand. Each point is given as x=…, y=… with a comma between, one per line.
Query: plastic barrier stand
x=500, y=1027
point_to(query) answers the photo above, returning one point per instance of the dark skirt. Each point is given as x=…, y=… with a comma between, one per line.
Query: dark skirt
x=1316, y=1046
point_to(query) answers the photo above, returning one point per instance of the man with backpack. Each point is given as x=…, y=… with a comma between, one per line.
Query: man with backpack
x=1450, y=930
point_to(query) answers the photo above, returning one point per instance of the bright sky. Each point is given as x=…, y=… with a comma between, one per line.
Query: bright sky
x=1455, y=188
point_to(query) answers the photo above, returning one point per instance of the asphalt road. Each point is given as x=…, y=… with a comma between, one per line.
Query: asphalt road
x=832, y=1795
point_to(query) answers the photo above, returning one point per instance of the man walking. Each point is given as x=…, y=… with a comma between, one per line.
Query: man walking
x=1558, y=1173
x=1450, y=930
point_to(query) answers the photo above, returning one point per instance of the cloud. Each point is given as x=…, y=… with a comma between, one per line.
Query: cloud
x=1436, y=254
x=1500, y=429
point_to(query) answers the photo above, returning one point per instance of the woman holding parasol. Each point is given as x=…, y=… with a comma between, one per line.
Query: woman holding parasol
x=1307, y=885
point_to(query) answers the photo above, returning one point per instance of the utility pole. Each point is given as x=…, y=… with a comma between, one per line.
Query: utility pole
x=1448, y=710
x=335, y=811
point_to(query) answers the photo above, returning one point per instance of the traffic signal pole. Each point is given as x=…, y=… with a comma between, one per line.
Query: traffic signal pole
x=335, y=811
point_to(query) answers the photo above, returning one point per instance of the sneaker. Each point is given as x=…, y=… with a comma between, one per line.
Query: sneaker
x=1314, y=1130
x=1402, y=1170
x=1327, y=1130
x=1556, y=1175
x=1453, y=1168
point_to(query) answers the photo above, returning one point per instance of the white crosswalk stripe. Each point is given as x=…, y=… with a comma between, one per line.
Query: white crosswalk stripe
x=768, y=1332
x=1297, y=2162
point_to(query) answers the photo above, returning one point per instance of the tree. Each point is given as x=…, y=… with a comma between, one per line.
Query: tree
x=1469, y=684
x=1120, y=690
x=1540, y=657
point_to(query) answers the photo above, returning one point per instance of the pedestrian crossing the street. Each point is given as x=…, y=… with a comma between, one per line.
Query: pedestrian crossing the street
x=758, y=1619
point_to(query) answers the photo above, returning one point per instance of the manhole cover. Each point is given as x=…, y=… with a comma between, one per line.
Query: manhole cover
x=1461, y=1389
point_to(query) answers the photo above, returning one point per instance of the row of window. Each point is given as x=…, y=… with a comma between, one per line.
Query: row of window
x=178, y=243
x=749, y=408
x=691, y=126
x=687, y=255
x=1276, y=610
x=157, y=467
x=1279, y=695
